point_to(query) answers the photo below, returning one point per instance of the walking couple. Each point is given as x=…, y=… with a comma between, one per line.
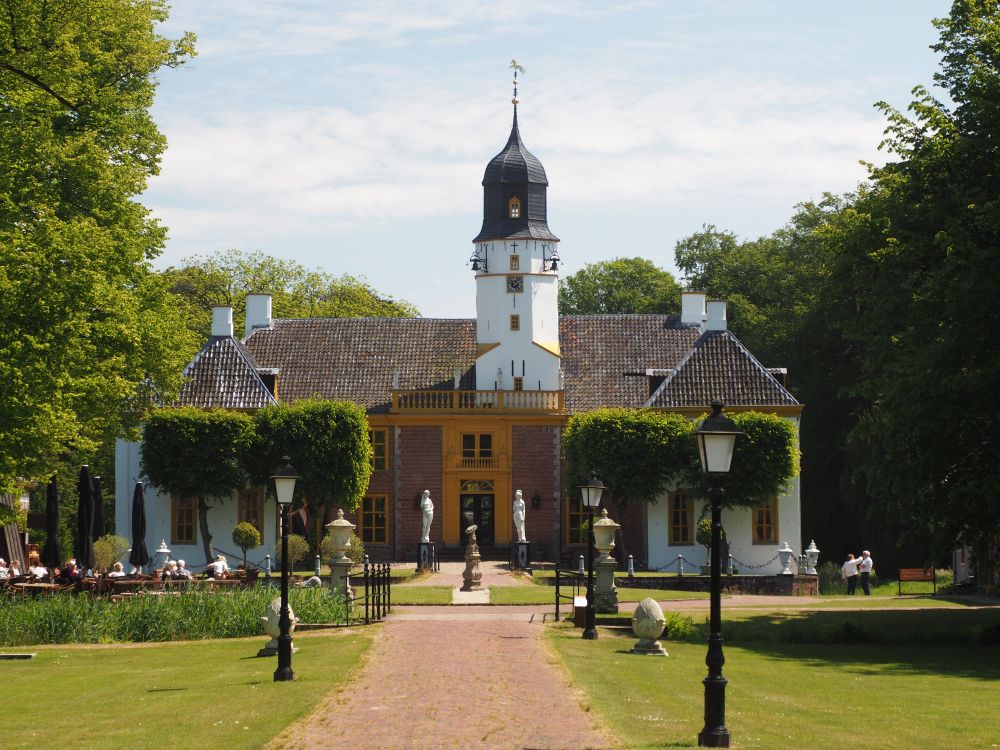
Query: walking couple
x=855, y=567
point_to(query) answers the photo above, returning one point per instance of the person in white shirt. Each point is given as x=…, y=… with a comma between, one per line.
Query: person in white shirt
x=117, y=571
x=3, y=568
x=219, y=568
x=182, y=571
x=865, y=569
x=849, y=572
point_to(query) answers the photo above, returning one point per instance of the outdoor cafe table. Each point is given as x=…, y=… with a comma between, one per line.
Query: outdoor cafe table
x=136, y=585
x=38, y=588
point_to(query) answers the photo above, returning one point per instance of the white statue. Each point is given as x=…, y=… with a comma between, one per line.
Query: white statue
x=427, y=507
x=519, y=515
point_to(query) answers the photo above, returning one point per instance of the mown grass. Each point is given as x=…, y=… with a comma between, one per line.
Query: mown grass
x=403, y=595
x=189, y=615
x=212, y=694
x=783, y=695
x=545, y=594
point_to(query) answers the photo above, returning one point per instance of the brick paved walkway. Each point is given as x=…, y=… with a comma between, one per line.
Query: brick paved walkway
x=459, y=682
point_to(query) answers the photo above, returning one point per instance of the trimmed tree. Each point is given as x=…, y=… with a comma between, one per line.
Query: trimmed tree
x=636, y=452
x=328, y=444
x=188, y=452
x=633, y=451
x=246, y=536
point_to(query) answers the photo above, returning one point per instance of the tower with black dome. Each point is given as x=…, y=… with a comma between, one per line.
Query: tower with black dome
x=516, y=265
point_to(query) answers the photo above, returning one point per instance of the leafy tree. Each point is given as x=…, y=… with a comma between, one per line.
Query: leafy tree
x=108, y=550
x=188, y=452
x=246, y=536
x=297, y=292
x=90, y=336
x=298, y=548
x=622, y=285
x=928, y=328
x=328, y=444
x=637, y=452
x=634, y=452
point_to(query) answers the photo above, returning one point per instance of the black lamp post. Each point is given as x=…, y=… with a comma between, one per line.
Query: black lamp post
x=716, y=437
x=284, y=486
x=591, y=494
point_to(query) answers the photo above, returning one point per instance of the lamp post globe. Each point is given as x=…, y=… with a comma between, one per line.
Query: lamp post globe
x=284, y=478
x=590, y=494
x=716, y=436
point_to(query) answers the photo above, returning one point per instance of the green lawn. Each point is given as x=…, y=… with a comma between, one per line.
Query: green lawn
x=414, y=594
x=545, y=594
x=213, y=694
x=792, y=695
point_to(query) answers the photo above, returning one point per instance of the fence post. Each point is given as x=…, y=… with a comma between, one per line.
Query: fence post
x=631, y=567
x=267, y=567
x=388, y=589
x=730, y=569
x=579, y=568
x=680, y=566
x=368, y=589
x=317, y=566
x=557, y=593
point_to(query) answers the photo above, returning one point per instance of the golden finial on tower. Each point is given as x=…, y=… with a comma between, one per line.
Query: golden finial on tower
x=517, y=69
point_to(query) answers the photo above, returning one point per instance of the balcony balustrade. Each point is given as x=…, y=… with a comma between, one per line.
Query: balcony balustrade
x=478, y=402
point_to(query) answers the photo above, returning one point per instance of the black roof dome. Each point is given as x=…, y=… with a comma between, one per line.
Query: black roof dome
x=515, y=163
x=514, y=174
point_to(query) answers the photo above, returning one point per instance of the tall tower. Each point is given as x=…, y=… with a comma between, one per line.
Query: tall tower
x=517, y=281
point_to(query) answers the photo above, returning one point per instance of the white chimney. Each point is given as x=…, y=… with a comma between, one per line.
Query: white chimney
x=222, y=321
x=258, y=313
x=693, y=308
x=716, y=316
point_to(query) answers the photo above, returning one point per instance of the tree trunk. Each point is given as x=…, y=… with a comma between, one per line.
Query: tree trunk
x=206, y=535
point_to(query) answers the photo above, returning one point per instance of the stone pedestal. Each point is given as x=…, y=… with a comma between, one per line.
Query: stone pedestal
x=425, y=560
x=472, y=576
x=521, y=556
x=340, y=576
x=647, y=624
x=605, y=591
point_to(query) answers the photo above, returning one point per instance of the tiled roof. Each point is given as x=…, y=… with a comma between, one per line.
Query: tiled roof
x=604, y=360
x=224, y=375
x=354, y=358
x=597, y=351
x=720, y=367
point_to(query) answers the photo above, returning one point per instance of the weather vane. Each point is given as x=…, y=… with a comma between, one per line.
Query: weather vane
x=517, y=69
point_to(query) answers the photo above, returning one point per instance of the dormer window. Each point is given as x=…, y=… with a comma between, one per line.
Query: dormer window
x=514, y=208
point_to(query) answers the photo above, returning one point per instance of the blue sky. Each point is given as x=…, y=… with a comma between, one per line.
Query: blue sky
x=352, y=137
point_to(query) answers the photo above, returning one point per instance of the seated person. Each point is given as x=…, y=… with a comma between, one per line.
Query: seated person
x=13, y=570
x=4, y=571
x=169, y=572
x=69, y=572
x=219, y=568
x=182, y=571
x=117, y=571
x=38, y=572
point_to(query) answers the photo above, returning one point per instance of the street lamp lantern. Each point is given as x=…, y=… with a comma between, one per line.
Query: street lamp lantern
x=591, y=493
x=284, y=478
x=716, y=437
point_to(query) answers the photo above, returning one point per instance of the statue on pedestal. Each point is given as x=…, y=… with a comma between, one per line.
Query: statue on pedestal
x=519, y=516
x=427, y=508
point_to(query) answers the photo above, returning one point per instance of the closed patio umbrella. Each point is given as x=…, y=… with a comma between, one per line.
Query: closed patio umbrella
x=98, y=530
x=51, y=556
x=84, y=548
x=138, y=556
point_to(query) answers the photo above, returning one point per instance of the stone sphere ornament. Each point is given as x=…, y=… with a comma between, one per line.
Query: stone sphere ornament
x=648, y=623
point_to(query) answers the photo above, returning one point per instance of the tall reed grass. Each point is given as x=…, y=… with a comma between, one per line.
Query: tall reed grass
x=69, y=618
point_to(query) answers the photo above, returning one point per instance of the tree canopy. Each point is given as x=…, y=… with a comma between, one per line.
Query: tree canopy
x=622, y=285
x=189, y=452
x=90, y=337
x=296, y=292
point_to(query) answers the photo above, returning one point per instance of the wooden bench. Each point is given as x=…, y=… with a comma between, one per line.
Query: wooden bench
x=917, y=574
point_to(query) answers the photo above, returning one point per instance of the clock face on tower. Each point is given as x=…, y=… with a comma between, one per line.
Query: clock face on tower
x=515, y=284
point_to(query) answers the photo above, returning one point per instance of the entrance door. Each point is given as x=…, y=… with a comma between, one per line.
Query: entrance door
x=476, y=507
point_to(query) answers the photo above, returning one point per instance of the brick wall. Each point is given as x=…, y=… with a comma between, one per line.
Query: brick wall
x=418, y=454
x=535, y=470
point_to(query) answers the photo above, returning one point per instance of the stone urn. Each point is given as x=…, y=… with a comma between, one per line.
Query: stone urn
x=812, y=557
x=604, y=535
x=272, y=627
x=785, y=557
x=340, y=534
x=647, y=624
x=161, y=556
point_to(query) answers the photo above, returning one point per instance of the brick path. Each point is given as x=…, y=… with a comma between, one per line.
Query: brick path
x=455, y=683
